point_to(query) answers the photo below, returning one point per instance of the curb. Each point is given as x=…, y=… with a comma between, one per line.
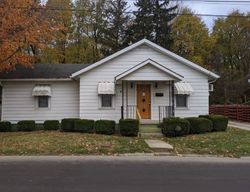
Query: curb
x=129, y=158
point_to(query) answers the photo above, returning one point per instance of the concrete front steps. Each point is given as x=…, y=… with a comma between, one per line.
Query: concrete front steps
x=149, y=130
x=159, y=146
x=149, y=122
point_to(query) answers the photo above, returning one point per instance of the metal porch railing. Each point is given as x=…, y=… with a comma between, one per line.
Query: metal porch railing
x=129, y=112
x=165, y=111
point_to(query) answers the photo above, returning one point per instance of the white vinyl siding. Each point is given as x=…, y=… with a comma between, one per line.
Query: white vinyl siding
x=198, y=101
x=148, y=72
x=19, y=104
x=68, y=102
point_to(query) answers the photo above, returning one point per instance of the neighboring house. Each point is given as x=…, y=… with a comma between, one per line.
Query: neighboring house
x=142, y=81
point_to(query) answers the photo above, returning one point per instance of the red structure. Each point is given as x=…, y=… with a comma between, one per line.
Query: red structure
x=236, y=112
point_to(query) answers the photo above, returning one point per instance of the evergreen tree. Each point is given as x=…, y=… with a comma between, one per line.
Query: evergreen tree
x=117, y=26
x=142, y=26
x=153, y=21
x=163, y=16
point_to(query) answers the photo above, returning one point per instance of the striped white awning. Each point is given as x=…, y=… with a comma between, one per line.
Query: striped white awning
x=41, y=90
x=183, y=88
x=106, y=88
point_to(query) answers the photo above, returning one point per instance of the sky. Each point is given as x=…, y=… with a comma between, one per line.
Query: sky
x=217, y=8
x=214, y=8
x=221, y=8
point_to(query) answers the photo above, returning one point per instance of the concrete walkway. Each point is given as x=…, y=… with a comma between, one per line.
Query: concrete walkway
x=240, y=125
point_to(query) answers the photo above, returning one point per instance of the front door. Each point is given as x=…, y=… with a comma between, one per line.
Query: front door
x=144, y=100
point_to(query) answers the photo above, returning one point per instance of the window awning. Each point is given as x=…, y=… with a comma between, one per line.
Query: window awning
x=41, y=90
x=106, y=88
x=183, y=88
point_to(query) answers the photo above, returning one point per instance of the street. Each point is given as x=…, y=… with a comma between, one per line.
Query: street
x=140, y=174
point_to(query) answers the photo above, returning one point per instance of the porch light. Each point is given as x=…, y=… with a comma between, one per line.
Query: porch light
x=131, y=85
x=156, y=85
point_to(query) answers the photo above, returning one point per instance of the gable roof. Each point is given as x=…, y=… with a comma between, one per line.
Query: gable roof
x=154, y=46
x=149, y=62
x=43, y=71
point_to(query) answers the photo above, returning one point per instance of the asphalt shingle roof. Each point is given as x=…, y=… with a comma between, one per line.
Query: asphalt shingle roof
x=43, y=71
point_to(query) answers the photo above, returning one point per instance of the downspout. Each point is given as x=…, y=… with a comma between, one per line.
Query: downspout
x=1, y=106
x=173, y=103
x=122, y=107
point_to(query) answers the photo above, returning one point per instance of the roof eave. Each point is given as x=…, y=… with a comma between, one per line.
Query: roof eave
x=149, y=62
x=154, y=46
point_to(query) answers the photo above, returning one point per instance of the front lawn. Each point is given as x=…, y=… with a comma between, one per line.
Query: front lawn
x=232, y=143
x=60, y=143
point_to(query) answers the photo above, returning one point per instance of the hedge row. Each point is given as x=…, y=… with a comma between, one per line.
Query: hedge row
x=128, y=127
x=175, y=126
x=199, y=125
x=219, y=122
x=5, y=126
x=106, y=127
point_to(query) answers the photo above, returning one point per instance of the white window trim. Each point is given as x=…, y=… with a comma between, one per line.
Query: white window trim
x=106, y=108
x=42, y=108
x=182, y=108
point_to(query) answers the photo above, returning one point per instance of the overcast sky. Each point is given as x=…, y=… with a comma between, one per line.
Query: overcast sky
x=217, y=8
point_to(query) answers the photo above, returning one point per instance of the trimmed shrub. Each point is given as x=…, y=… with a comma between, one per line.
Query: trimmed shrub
x=106, y=127
x=129, y=127
x=26, y=125
x=220, y=122
x=200, y=125
x=84, y=125
x=68, y=124
x=5, y=126
x=175, y=126
x=51, y=125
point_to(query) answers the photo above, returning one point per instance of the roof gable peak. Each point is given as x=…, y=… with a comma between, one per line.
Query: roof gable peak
x=153, y=46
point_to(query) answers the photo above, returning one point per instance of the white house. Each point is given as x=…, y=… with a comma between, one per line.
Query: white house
x=142, y=81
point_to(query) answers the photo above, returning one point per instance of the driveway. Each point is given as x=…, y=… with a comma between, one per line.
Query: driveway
x=240, y=125
x=123, y=174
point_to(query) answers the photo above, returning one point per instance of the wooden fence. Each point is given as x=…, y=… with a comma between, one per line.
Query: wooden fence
x=236, y=112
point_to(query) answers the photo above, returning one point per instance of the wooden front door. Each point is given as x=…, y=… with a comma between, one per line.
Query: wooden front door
x=144, y=101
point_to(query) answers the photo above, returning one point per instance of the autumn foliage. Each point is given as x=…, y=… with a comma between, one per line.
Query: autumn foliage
x=24, y=31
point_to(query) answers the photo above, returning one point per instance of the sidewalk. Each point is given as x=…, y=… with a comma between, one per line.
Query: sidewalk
x=125, y=157
x=240, y=125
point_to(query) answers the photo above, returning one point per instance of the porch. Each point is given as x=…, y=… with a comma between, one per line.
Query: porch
x=145, y=92
x=148, y=101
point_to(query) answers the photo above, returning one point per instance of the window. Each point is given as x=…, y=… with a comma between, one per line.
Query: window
x=181, y=100
x=43, y=102
x=106, y=100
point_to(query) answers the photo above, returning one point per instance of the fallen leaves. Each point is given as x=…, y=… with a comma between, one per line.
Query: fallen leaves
x=59, y=143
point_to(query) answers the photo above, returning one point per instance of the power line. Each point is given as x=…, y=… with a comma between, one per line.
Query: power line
x=210, y=2
x=126, y=12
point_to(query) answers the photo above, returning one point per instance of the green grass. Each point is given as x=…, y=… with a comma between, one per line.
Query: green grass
x=59, y=143
x=232, y=143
